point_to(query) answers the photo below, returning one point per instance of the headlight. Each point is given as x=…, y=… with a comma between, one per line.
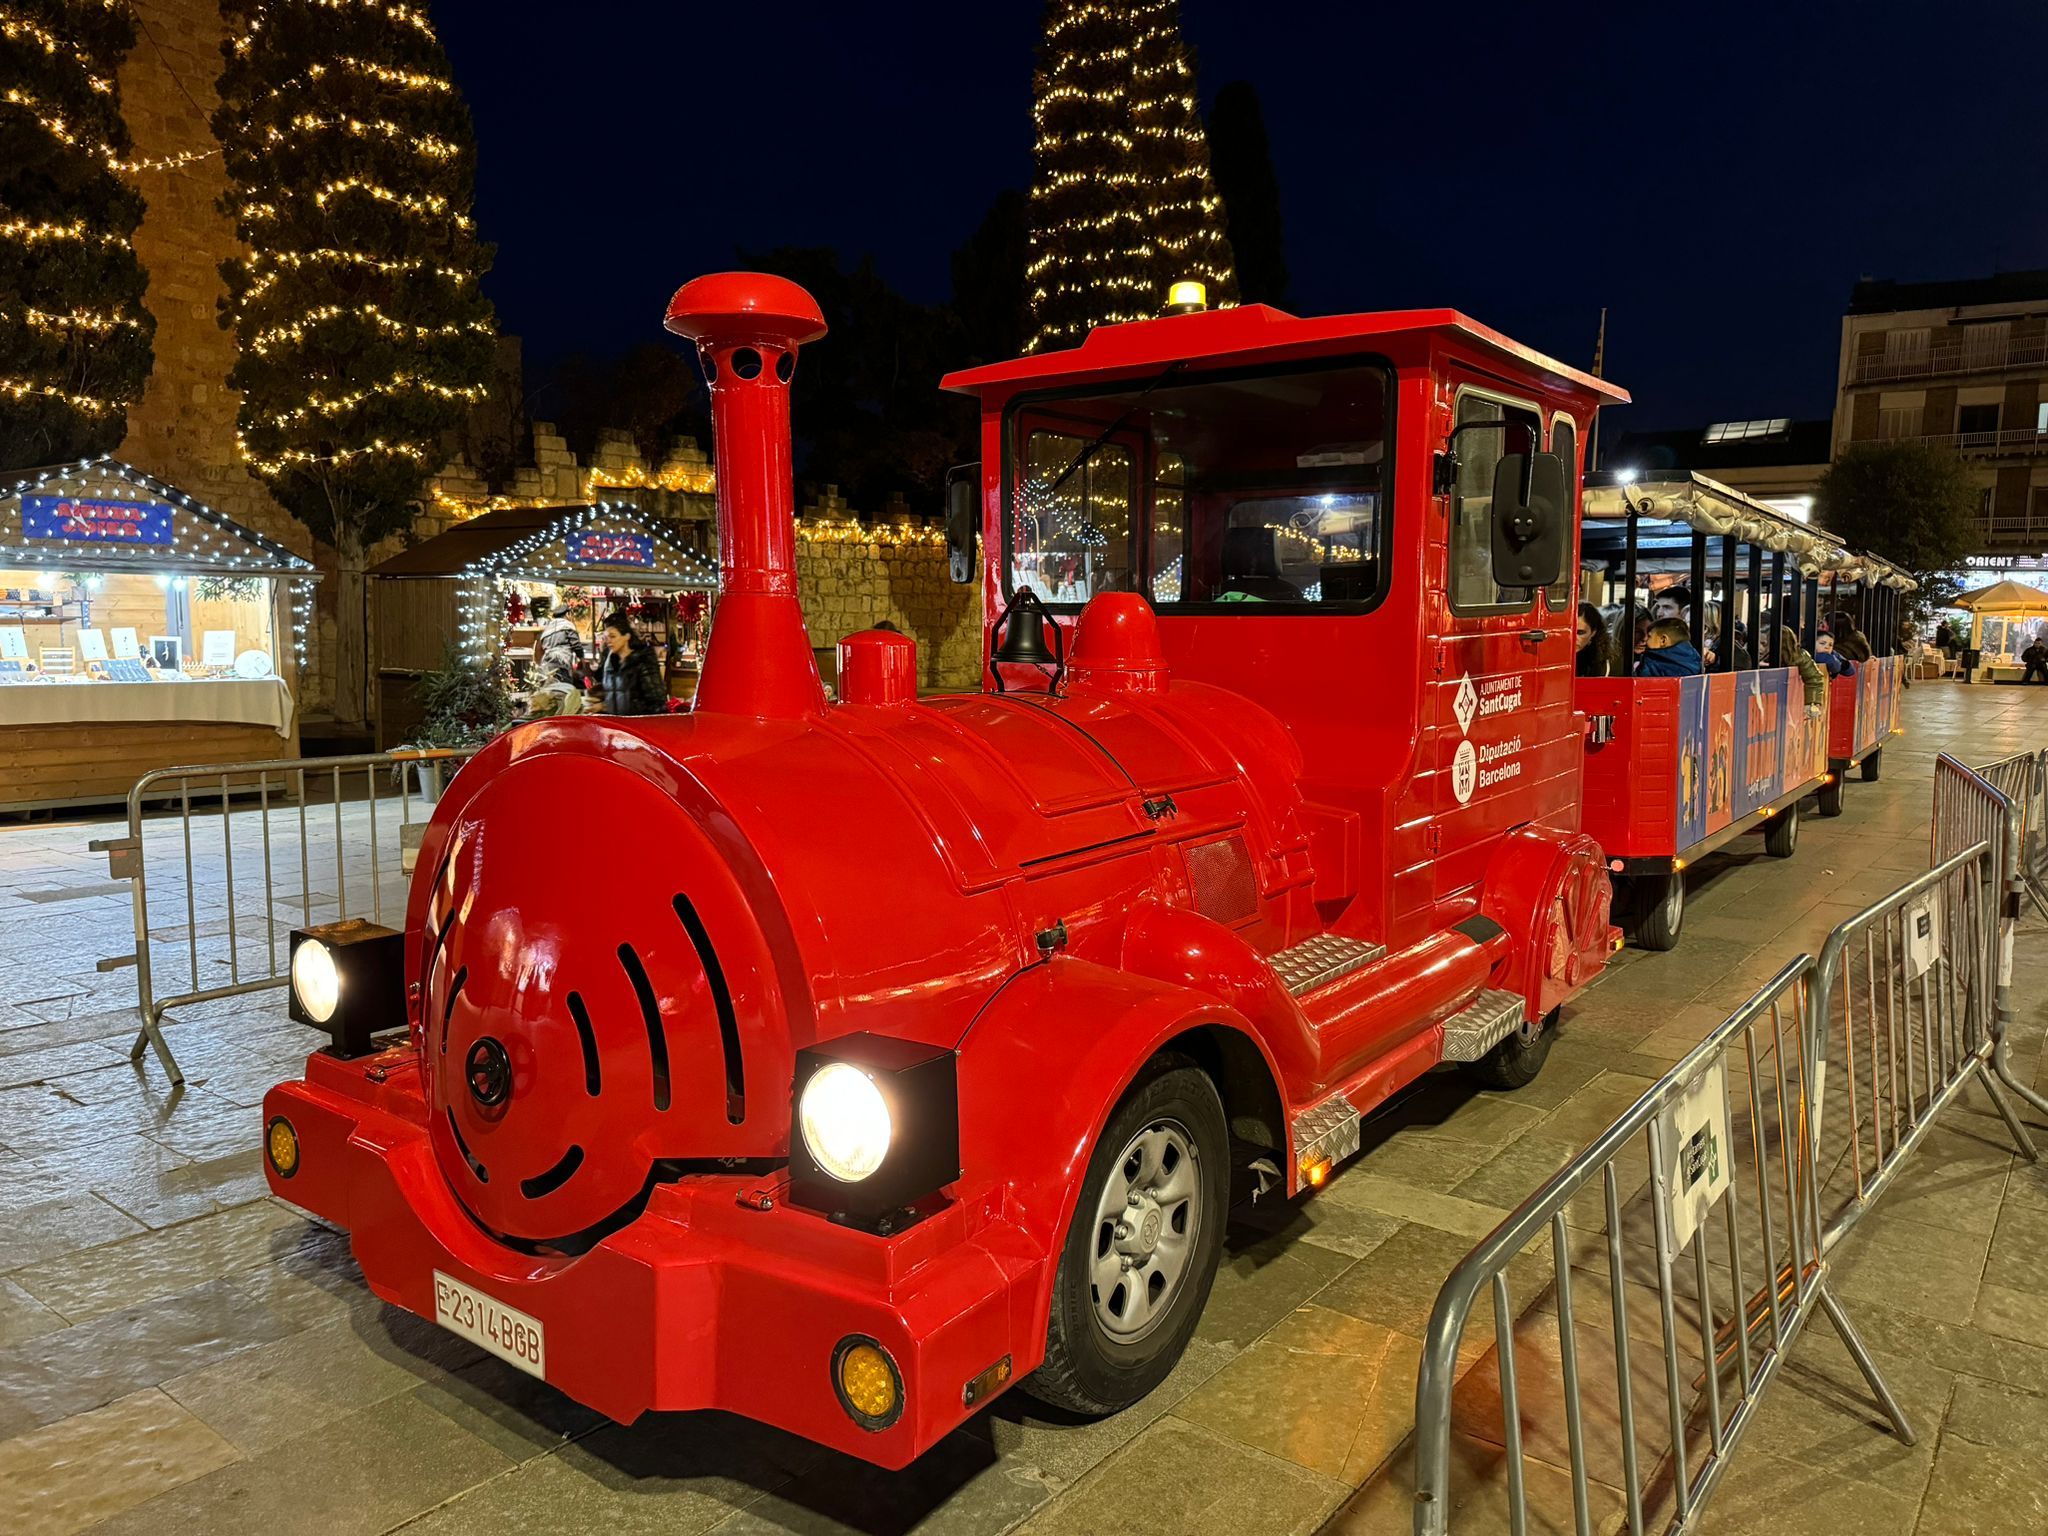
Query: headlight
x=315, y=981
x=845, y=1122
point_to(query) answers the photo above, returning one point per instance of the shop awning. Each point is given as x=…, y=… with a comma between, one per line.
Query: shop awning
x=2007, y=597
x=102, y=515
x=606, y=543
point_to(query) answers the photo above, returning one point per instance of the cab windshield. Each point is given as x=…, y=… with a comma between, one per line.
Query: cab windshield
x=1248, y=491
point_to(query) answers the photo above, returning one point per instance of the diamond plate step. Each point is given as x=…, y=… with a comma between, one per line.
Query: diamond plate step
x=1493, y=1016
x=1321, y=960
x=1326, y=1134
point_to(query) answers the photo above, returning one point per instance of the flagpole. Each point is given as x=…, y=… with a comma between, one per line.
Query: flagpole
x=1599, y=363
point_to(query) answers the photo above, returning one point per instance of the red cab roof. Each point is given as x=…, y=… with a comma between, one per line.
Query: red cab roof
x=1251, y=329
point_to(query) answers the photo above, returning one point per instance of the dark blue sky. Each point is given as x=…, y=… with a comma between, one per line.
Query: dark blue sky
x=1717, y=175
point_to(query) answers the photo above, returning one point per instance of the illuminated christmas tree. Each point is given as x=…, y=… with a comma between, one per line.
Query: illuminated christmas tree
x=1123, y=204
x=363, y=334
x=74, y=337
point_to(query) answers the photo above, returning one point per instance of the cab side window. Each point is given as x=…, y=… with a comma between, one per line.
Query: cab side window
x=1073, y=520
x=1564, y=442
x=1473, y=588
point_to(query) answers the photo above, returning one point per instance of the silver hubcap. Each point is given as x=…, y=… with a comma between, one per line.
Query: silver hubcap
x=1674, y=901
x=1146, y=1226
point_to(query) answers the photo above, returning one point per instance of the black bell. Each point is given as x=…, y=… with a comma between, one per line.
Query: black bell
x=1023, y=643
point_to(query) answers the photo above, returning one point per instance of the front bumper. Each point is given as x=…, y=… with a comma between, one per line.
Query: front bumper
x=701, y=1301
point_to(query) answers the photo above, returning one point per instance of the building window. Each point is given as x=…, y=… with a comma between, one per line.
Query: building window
x=1985, y=346
x=1895, y=421
x=1979, y=422
x=2041, y=419
x=1903, y=347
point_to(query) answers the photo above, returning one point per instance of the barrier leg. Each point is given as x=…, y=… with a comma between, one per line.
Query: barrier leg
x=152, y=1035
x=2012, y=1123
x=1853, y=1342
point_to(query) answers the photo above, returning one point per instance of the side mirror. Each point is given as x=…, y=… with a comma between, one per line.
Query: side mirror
x=963, y=523
x=1529, y=533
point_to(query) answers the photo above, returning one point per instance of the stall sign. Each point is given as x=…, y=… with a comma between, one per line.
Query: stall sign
x=95, y=522
x=591, y=548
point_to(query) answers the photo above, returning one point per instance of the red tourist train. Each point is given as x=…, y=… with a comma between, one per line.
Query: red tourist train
x=913, y=1047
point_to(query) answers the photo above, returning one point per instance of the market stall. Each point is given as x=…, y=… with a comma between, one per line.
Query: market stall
x=139, y=629
x=2004, y=620
x=485, y=587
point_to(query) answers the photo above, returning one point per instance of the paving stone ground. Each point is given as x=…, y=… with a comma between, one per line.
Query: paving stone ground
x=179, y=1352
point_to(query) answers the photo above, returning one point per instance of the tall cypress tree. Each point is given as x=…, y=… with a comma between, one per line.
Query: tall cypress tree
x=1123, y=204
x=1243, y=164
x=363, y=334
x=75, y=340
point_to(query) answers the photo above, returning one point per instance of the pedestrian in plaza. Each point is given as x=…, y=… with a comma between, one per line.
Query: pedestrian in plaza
x=1671, y=652
x=631, y=679
x=1945, y=639
x=1850, y=642
x=2035, y=659
x=1792, y=654
x=1596, y=649
x=1832, y=662
x=559, y=648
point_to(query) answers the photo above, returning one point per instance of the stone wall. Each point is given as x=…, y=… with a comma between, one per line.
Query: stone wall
x=851, y=576
x=183, y=429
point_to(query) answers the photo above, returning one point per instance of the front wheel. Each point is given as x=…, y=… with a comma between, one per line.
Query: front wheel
x=1782, y=836
x=1515, y=1062
x=1143, y=1246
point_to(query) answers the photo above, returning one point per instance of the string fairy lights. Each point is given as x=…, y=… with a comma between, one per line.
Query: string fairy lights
x=1122, y=204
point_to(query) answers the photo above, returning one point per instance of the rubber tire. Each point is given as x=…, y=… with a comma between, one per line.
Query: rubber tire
x=1083, y=1371
x=1660, y=920
x=1828, y=798
x=1515, y=1062
x=1781, y=837
x=1871, y=764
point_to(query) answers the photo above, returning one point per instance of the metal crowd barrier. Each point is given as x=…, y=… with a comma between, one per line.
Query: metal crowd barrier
x=1693, y=1226
x=1968, y=807
x=2023, y=779
x=300, y=840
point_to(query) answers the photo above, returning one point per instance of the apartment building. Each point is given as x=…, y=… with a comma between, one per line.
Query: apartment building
x=1963, y=365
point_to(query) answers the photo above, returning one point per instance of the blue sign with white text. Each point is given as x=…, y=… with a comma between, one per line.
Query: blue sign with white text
x=590, y=547
x=95, y=522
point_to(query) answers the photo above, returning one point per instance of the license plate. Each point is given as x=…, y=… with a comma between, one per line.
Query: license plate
x=505, y=1331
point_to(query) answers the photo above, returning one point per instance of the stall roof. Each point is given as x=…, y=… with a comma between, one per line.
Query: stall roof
x=520, y=542
x=2004, y=597
x=1708, y=506
x=146, y=538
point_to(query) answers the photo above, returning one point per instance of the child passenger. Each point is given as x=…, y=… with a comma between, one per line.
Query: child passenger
x=1671, y=652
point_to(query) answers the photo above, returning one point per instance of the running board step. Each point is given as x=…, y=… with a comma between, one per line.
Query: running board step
x=1493, y=1016
x=1321, y=960
x=1323, y=1137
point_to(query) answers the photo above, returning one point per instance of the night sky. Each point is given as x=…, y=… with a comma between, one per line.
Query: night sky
x=1717, y=175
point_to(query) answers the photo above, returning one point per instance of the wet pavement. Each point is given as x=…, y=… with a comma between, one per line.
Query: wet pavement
x=179, y=1352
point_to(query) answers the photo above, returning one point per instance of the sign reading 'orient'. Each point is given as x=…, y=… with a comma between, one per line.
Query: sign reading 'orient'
x=592, y=548
x=95, y=522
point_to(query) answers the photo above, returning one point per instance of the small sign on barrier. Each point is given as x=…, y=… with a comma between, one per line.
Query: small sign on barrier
x=1923, y=937
x=1698, y=1141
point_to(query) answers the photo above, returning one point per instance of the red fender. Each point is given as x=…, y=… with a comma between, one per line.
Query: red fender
x=1550, y=890
x=1040, y=1071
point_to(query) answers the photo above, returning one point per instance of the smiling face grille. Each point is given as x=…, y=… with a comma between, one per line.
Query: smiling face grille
x=588, y=1014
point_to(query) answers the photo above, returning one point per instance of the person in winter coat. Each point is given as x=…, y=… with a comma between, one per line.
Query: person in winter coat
x=1850, y=642
x=631, y=679
x=559, y=648
x=1792, y=654
x=1832, y=661
x=2035, y=659
x=1596, y=648
x=1671, y=652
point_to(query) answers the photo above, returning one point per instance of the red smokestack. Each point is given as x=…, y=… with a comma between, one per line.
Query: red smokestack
x=748, y=326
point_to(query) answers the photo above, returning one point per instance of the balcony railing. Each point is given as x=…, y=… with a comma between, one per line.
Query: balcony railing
x=2016, y=527
x=2018, y=440
x=1939, y=361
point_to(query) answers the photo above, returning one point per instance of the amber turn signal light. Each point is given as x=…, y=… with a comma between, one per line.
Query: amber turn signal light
x=281, y=1146
x=867, y=1383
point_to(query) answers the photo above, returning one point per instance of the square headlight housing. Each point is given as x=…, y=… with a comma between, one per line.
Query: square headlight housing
x=875, y=1127
x=347, y=979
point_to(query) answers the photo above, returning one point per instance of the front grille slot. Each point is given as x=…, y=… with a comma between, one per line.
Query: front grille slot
x=584, y=1033
x=721, y=998
x=547, y=1183
x=650, y=1010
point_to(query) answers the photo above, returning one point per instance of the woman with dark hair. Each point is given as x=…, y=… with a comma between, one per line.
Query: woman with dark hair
x=1850, y=642
x=631, y=678
x=1596, y=648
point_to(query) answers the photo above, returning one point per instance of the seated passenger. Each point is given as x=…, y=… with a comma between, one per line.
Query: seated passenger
x=1671, y=652
x=1596, y=650
x=1792, y=654
x=1824, y=653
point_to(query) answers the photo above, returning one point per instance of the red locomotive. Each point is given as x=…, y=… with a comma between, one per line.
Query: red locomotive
x=912, y=1047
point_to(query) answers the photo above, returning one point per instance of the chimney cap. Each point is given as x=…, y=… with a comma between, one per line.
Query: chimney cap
x=753, y=306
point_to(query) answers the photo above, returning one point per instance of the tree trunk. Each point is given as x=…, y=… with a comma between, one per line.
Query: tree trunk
x=351, y=632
